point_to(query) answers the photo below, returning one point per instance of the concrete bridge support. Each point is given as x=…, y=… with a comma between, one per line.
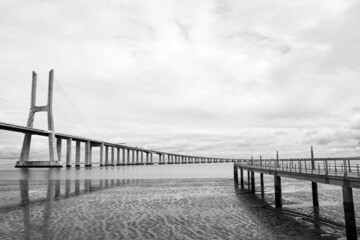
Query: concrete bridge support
x=171, y=160
x=128, y=157
x=101, y=154
x=350, y=223
x=68, y=152
x=118, y=157
x=25, y=151
x=133, y=157
x=278, y=194
x=137, y=157
x=106, y=155
x=248, y=179
x=58, y=148
x=142, y=158
x=123, y=156
x=112, y=156
x=87, y=154
x=77, y=154
x=151, y=158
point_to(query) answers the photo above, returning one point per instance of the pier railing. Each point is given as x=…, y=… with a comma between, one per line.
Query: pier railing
x=341, y=167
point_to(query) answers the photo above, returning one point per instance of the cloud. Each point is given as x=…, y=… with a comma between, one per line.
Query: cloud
x=210, y=77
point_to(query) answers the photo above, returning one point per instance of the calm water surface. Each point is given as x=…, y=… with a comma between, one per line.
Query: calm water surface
x=160, y=202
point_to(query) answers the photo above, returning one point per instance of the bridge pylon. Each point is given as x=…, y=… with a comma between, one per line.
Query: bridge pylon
x=25, y=151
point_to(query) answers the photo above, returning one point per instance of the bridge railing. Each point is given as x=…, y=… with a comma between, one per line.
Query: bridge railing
x=342, y=167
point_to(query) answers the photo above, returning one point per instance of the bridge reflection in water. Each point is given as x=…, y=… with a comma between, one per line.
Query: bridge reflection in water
x=72, y=188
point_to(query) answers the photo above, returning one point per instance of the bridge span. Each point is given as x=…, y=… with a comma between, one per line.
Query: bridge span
x=115, y=154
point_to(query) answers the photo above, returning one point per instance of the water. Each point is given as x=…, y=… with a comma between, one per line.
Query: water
x=160, y=202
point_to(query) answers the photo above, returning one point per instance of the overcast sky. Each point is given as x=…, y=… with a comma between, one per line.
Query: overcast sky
x=222, y=78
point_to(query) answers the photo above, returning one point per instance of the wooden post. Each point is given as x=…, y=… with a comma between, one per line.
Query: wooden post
x=315, y=194
x=278, y=194
x=241, y=179
x=236, y=177
x=348, y=203
x=314, y=184
x=252, y=182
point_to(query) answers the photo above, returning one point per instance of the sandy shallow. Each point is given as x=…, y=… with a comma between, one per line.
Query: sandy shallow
x=160, y=209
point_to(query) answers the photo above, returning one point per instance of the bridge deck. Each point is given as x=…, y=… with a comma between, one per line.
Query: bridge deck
x=336, y=175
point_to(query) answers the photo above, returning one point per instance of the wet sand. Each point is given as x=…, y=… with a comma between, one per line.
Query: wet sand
x=160, y=209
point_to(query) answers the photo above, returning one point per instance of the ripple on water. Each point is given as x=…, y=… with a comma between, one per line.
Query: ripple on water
x=147, y=209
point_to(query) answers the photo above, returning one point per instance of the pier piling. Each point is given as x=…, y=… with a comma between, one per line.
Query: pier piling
x=278, y=195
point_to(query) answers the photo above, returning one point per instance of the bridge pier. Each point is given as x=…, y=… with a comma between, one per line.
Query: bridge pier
x=112, y=156
x=248, y=179
x=77, y=154
x=128, y=157
x=123, y=156
x=133, y=157
x=278, y=194
x=142, y=157
x=348, y=203
x=118, y=156
x=101, y=154
x=106, y=155
x=87, y=154
x=25, y=151
x=151, y=159
x=162, y=159
x=58, y=148
x=68, y=152
x=90, y=154
x=137, y=157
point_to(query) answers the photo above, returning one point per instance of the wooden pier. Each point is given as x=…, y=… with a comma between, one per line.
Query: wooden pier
x=342, y=172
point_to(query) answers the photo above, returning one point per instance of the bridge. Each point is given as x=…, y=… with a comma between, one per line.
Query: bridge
x=115, y=154
x=342, y=172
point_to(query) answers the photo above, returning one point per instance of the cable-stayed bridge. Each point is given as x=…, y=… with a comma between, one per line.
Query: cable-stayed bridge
x=111, y=154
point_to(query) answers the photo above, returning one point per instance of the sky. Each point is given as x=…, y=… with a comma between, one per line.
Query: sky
x=217, y=78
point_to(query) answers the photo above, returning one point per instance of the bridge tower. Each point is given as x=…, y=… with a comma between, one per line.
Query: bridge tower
x=25, y=151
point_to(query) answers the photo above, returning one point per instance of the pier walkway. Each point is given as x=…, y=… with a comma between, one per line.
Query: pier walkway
x=342, y=172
